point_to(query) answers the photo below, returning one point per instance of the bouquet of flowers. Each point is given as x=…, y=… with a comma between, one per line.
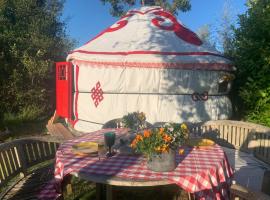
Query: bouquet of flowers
x=159, y=140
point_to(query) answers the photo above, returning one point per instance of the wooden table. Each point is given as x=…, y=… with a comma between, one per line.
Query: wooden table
x=204, y=172
x=108, y=181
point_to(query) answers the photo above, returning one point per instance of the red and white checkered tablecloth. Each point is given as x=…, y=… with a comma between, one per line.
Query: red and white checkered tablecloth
x=204, y=172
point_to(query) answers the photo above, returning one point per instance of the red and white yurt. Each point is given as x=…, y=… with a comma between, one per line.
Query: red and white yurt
x=149, y=62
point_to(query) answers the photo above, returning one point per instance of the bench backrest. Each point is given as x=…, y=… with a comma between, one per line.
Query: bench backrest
x=246, y=136
x=19, y=155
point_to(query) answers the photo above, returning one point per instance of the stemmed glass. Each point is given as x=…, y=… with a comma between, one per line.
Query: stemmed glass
x=109, y=139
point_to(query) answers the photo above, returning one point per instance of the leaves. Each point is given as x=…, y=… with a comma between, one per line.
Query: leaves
x=32, y=38
x=120, y=7
x=250, y=50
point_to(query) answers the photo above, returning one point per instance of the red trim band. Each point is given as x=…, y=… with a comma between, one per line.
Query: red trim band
x=76, y=96
x=125, y=53
x=187, y=66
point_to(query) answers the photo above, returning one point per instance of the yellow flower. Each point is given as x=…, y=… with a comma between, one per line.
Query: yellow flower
x=164, y=148
x=184, y=126
x=158, y=149
x=181, y=151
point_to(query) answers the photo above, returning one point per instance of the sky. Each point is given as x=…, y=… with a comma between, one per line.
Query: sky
x=86, y=18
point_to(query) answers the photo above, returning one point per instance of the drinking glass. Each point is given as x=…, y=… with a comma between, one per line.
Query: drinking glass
x=109, y=139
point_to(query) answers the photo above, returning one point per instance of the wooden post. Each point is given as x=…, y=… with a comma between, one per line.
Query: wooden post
x=109, y=192
x=23, y=161
x=266, y=182
x=252, y=142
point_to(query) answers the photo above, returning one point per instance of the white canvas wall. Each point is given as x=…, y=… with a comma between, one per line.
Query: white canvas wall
x=147, y=80
x=164, y=95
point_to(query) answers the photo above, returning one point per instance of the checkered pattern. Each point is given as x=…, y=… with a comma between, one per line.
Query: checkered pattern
x=204, y=172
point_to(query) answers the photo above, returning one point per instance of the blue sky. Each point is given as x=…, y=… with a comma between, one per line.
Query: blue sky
x=86, y=18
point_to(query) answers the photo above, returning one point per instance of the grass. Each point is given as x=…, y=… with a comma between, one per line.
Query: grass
x=26, y=129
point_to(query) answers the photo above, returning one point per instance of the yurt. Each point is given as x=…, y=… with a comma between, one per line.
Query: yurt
x=148, y=62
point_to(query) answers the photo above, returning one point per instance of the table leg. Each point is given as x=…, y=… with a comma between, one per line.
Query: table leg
x=109, y=193
x=103, y=192
x=98, y=191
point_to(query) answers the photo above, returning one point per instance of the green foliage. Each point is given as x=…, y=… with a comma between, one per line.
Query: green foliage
x=120, y=7
x=32, y=38
x=250, y=49
x=134, y=120
x=27, y=114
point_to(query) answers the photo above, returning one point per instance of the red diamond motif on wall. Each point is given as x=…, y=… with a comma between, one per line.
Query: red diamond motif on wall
x=97, y=94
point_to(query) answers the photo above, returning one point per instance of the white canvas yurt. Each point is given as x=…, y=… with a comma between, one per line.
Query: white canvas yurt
x=148, y=62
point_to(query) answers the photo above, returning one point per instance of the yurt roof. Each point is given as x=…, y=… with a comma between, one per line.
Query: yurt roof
x=150, y=37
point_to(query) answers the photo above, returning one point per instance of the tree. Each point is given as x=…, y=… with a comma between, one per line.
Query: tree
x=205, y=35
x=225, y=31
x=250, y=50
x=119, y=7
x=32, y=38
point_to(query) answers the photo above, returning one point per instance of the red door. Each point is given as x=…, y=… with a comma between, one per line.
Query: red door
x=64, y=89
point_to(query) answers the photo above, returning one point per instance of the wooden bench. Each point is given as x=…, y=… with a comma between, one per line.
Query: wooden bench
x=17, y=157
x=244, y=136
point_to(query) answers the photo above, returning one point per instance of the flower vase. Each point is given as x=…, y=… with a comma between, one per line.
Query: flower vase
x=163, y=162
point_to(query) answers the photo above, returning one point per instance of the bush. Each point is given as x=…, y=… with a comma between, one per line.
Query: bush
x=27, y=114
x=250, y=50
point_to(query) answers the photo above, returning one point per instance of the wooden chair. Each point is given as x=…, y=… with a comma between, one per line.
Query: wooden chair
x=58, y=129
x=244, y=136
x=19, y=178
x=239, y=192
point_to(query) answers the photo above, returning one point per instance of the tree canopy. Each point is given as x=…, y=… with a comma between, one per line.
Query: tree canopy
x=32, y=38
x=119, y=7
x=250, y=49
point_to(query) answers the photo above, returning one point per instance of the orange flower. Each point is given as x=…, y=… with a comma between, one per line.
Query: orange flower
x=166, y=138
x=181, y=151
x=139, y=138
x=161, y=131
x=146, y=133
x=133, y=144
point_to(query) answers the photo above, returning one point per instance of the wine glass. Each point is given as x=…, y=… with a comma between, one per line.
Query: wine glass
x=109, y=139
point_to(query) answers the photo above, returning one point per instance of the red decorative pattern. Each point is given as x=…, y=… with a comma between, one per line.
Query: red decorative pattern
x=187, y=66
x=97, y=94
x=181, y=31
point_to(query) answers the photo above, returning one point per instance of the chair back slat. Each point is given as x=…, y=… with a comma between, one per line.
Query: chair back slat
x=17, y=156
x=262, y=150
x=247, y=137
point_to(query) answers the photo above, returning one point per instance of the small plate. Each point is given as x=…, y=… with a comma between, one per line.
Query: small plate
x=85, y=148
x=200, y=143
